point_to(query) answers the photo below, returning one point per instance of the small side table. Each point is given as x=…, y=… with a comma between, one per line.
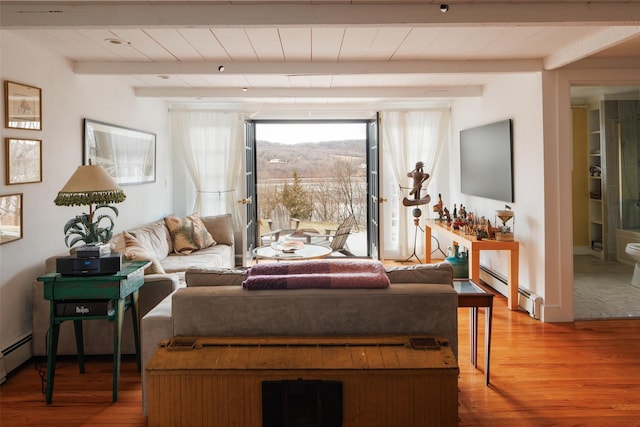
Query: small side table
x=472, y=295
x=122, y=288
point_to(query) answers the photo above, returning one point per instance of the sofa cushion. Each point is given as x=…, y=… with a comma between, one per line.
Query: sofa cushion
x=214, y=256
x=187, y=235
x=220, y=227
x=155, y=238
x=135, y=251
x=441, y=273
x=215, y=276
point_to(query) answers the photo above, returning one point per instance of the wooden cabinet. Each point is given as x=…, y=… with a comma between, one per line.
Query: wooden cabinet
x=386, y=381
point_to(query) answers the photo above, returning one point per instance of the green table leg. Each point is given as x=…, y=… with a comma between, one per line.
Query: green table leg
x=135, y=305
x=77, y=328
x=52, y=351
x=117, y=339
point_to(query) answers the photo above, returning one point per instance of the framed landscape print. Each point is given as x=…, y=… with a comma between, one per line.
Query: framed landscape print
x=22, y=106
x=23, y=161
x=10, y=218
x=128, y=155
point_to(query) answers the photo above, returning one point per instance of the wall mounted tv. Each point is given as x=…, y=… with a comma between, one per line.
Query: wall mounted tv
x=486, y=161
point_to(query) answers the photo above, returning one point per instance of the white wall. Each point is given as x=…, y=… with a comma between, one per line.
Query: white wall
x=66, y=100
x=516, y=97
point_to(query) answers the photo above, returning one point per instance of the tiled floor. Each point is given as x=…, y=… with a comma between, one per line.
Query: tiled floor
x=603, y=290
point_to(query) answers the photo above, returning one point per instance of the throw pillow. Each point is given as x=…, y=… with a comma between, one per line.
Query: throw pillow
x=182, y=235
x=201, y=235
x=220, y=227
x=133, y=250
x=188, y=234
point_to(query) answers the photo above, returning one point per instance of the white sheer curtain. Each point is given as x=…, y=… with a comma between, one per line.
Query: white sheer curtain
x=212, y=145
x=408, y=137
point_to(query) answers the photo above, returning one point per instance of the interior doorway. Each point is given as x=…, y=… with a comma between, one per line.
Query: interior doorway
x=311, y=180
x=606, y=199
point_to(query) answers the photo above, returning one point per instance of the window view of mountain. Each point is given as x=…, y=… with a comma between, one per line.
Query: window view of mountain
x=309, y=160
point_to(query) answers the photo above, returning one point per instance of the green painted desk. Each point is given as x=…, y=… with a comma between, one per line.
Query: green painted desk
x=122, y=288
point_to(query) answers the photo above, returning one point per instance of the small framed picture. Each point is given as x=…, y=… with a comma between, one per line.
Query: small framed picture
x=10, y=217
x=22, y=106
x=24, y=161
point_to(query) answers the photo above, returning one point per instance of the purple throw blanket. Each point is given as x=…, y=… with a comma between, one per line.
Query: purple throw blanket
x=317, y=274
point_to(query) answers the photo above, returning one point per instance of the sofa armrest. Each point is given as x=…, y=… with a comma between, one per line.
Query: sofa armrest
x=156, y=287
x=437, y=273
x=156, y=326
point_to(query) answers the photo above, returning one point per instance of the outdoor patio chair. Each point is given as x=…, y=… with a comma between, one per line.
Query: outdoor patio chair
x=334, y=239
x=280, y=223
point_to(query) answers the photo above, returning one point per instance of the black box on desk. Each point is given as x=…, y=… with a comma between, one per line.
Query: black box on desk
x=84, y=308
x=104, y=265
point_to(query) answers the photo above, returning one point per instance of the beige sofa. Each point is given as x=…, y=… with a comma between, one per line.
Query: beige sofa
x=420, y=300
x=156, y=241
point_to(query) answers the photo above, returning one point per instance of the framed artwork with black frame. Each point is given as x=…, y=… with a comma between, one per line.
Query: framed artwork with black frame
x=22, y=106
x=10, y=217
x=128, y=155
x=23, y=160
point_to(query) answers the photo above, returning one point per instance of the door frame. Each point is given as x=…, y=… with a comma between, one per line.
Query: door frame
x=252, y=223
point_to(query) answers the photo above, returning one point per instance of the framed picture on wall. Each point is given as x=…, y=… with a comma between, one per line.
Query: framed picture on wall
x=22, y=106
x=10, y=217
x=128, y=155
x=23, y=160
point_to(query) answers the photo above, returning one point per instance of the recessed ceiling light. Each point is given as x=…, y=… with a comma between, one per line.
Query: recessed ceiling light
x=444, y=8
x=221, y=68
x=163, y=77
x=115, y=41
x=244, y=89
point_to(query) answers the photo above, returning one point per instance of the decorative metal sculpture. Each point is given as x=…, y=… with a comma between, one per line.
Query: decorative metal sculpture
x=419, y=177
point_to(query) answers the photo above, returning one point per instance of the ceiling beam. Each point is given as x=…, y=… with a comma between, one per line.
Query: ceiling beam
x=291, y=94
x=590, y=45
x=310, y=68
x=49, y=15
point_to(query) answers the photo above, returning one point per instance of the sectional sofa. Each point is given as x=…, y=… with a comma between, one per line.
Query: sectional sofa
x=419, y=300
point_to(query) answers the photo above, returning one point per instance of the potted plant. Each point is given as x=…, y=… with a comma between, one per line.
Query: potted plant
x=83, y=228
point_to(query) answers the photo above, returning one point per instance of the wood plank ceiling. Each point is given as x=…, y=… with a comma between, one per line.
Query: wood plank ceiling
x=325, y=50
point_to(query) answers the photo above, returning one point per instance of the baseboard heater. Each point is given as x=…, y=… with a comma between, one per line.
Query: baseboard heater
x=528, y=301
x=15, y=355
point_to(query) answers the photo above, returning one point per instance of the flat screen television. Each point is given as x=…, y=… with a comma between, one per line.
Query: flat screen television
x=486, y=161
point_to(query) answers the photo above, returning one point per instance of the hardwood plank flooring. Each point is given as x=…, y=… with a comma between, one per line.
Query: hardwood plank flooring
x=566, y=374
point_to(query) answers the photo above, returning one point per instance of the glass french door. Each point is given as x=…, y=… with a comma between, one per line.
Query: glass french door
x=373, y=200
x=251, y=228
x=373, y=183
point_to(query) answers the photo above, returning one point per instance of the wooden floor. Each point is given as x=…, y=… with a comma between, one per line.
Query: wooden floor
x=568, y=374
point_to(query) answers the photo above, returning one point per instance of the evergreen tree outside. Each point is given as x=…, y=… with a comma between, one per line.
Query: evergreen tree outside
x=296, y=199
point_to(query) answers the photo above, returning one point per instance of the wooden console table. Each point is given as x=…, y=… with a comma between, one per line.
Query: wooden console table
x=385, y=381
x=475, y=246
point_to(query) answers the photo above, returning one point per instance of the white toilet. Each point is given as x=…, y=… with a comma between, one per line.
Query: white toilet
x=633, y=250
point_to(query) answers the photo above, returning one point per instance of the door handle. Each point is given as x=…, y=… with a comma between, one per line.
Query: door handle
x=382, y=199
x=246, y=201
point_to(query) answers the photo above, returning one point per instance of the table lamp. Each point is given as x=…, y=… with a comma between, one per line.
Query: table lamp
x=90, y=185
